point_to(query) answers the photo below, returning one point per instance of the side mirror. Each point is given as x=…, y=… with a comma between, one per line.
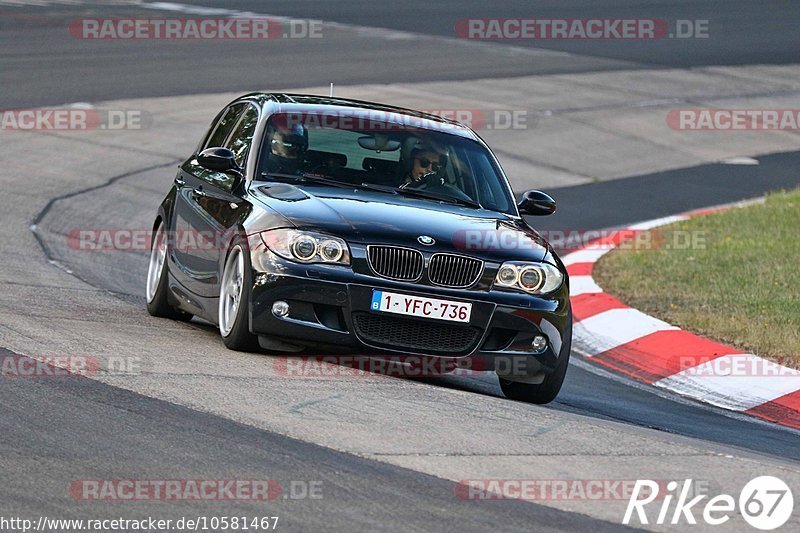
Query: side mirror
x=537, y=203
x=219, y=160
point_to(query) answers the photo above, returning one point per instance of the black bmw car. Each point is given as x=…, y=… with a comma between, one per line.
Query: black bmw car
x=348, y=227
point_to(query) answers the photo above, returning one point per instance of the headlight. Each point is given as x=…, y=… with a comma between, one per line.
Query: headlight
x=307, y=246
x=533, y=278
x=331, y=250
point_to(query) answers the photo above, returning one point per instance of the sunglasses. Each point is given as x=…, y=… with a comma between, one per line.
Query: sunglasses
x=424, y=162
x=287, y=144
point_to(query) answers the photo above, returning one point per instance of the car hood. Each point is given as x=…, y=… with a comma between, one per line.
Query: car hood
x=370, y=217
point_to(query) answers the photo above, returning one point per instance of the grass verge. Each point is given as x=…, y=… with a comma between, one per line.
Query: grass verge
x=732, y=276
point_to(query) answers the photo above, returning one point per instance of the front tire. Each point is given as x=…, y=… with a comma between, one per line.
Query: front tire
x=156, y=289
x=234, y=301
x=548, y=389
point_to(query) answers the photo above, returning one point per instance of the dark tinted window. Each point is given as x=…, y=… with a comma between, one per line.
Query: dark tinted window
x=220, y=133
x=242, y=137
x=224, y=126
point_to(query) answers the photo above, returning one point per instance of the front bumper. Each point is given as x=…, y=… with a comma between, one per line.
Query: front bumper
x=330, y=314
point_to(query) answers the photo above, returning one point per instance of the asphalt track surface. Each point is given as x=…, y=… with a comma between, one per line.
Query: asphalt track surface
x=740, y=32
x=173, y=442
x=44, y=65
x=40, y=454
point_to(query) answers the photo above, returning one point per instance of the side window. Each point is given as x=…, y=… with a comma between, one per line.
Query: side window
x=242, y=137
x=224, y=126
x=219, y=133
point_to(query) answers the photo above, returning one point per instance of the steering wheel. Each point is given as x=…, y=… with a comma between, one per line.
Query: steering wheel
x=436, y=183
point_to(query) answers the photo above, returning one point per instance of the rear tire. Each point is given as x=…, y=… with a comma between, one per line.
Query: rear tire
x=547, y=390
x=156, y=290
x=234, y=301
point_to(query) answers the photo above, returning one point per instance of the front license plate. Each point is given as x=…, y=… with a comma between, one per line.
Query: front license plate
x=403, y=304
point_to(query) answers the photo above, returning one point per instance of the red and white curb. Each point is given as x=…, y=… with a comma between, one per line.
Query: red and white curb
x=611, y=334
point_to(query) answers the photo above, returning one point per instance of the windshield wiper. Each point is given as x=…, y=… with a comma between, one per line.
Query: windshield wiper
x=381, y=188
x=424, y=194
x=310, y=177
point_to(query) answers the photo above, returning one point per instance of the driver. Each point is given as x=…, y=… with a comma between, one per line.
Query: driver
x=426, y=162
x=287, y=148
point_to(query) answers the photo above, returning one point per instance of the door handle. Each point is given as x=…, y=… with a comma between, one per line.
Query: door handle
x=179, y=181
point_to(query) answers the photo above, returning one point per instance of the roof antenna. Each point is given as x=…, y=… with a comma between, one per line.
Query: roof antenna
x=331, y=95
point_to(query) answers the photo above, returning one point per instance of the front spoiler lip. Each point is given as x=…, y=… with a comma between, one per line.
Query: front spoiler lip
x=345, y=341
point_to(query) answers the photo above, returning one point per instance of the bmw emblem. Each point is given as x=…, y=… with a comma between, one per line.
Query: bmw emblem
x=425, y=240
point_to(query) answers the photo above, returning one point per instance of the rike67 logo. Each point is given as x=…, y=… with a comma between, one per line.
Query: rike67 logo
x=766, y=503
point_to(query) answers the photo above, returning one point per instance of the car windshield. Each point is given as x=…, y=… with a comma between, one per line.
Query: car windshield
x=385, y=156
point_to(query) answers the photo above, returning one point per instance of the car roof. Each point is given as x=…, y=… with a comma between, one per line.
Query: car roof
x=299, y=103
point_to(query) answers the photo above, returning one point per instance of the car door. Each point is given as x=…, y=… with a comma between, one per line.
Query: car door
x=221, y=208
x=194, y=237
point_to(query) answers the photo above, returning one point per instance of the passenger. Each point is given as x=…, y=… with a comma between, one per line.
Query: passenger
x=426, y=162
